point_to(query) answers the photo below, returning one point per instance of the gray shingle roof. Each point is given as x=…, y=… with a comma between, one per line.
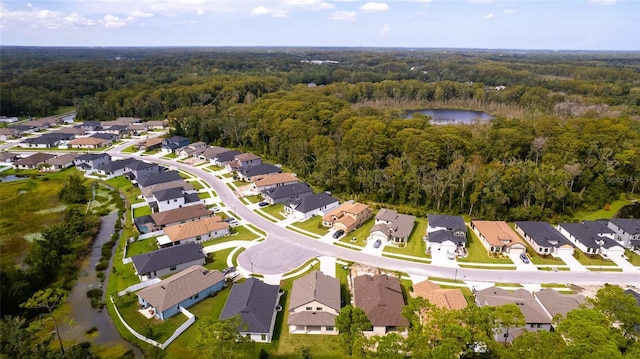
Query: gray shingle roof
x=168, y=194
x=543, y=234
x=315, y=286
x=529, y=307
x=449, y=222
x=261, y=169
x=92, y=156
x=34, y=159
x=255, y=301
x=180, y=214
x=156, y=178
x=173, y=290
x=287, y=191
x=629, y=225
x=588, y=232
x=312, y=202
x=401, y=224
x=227, y=156
x=115, y=165
x=445, y=235
x=167, y=257
x=556, y=303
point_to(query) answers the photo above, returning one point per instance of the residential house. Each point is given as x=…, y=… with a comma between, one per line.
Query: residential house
x=89, y=142
x=348, y=216
x=311, y=205
x=60, y=162
x=180, y=216
x=47, y=140
x=257, y=303
x=535, y=316
x=112, y=137
x=245, y=174
x=137, y=128
x=222, y=158
x=314, y=304
x=380, y=297
x=286, y=193
x=556, y=303
x=162, y=177
x=157, y=125
x=265, y=182
x=497, y=237
x=122, y=121
x=446, y=232
x=592, y=237
x=449, y=298
x=211, y=152
x=89, y=162
x=154, y=143
x=33, y=162
x=173, y=143
x=197, y=231
x=392, y=227
x=22, y=129
x=172, y=198
x=75, y=131
x=8, y=157
x=147, y=192
x=182, y=290
x=36, y=125
x=243, y=161
x=627, y=232
x=9, y=133
x=192, y=150
x=141, y=169
x=114, y=168
x=166, y=261
x=91, y=126
x=543, y=238
x=5, y=119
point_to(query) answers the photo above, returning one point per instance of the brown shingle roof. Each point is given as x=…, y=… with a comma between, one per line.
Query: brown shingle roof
x=196, y=228
x=443, y=298
x=247, y=157
x=173, y=290
x=271, y=179
x=380, y=297
x=87, y=141
x=497, y=233
x=529, y=307
x=62, y=159
x=557, y=303
x=148, y=191
x=33, y=159
x=180, y=214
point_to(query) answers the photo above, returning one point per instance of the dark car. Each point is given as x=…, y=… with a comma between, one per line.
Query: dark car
x=524, y=258
x=228, y=270
x=263, y=204
x=377, y=243
x=338, y=233
x=230, y=219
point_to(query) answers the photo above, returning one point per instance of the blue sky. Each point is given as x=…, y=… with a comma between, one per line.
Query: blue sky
x=512, y=24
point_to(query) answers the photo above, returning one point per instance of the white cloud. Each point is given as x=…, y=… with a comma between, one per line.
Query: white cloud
x=139, y=13
x=113, y=21
x=509, y=11
x=603, y=2
x=482, y=1
x=374, y=6
x=260, y=10
x=423, y=0
x=384, y=31
x=488, y=16
x=343, y=16
x=200, y=12
x=77, y=20
x=310, y=4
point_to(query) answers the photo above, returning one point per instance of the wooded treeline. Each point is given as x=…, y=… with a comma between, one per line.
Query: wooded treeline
x=566, y=136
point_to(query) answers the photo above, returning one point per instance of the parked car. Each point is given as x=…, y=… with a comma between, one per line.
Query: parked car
x=338, y=233
x=524, y=258
x=263, y=204
x=228, y=270
x=231, y=220
x=377, y=243
x=451, y=255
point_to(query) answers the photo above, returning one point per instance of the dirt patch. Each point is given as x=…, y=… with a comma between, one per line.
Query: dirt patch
x=591, y=290
x=192, y=161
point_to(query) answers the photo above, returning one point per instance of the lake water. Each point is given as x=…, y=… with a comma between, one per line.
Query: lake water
x=447, y=117
x=11, y=178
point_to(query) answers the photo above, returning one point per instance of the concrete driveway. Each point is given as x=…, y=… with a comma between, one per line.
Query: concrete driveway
x=368, y=249
x=624, y=264
x=520, y=265
x=573, y=263
x=441, y=258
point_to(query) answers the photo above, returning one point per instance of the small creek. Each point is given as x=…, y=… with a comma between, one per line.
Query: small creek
x=81, y=315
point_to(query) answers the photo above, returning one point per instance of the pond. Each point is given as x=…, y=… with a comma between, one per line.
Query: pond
x=448, y=116
x=11, y=178
x=629, y=211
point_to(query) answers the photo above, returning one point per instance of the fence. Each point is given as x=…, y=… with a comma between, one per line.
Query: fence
x=139, y=286
x=191, y=319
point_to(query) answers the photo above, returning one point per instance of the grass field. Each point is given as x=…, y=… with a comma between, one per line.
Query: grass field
x=604, y=213
x=143, y=246
x=592, y=261
x=141, y=211
x=274, y=211
x=127, y=188
x=416, y=246
x=158, y=330
x=313, y=225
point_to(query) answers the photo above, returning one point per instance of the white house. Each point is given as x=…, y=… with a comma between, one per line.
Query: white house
x=592, y=237
x=314, y=304
x=448, y=233
x=543, y=238
x=197, y=231
x=309, y=206
x=627, y=231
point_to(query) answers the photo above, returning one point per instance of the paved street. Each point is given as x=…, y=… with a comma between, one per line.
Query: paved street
x=285, y=250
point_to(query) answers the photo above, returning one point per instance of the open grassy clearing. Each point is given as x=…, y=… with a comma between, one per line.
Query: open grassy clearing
x=633, y=257
x=603, y=213
x=141, y=211
x=274, y=211
x=218, y=260
x=143, y=246
x=595, y=260
x=313, y=225
x=476, y=253
x=127, y=188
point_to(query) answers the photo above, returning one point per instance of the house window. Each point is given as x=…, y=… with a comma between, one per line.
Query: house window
x=330, y=328
x=196, y=296
x=172, y=268
x=318, y=308
x=198, y=238
x=309, y=308
x=175, y=200
x=263, y=337
x=168, y=202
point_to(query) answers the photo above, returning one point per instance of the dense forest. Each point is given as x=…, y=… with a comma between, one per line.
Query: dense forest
x=566, y=134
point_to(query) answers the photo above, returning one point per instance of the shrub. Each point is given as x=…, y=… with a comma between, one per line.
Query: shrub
x=94, y=293
x=102, y=266
x=101, y=276
x=90, y=331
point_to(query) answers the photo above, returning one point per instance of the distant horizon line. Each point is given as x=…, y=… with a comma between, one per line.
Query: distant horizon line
x=305, y=47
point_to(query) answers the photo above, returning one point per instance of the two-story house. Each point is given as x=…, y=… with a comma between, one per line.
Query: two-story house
x=348, y=216
x=392, y=227
x=444, y=232
x=314, y=304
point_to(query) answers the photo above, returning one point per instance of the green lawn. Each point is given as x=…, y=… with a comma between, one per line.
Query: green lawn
x=131, y=149
x=416, y=246
x=538, y=259
x=204, y=195
x=254, y=199
x=226, y=175
x=361, y=234
x=343, y=276
x=447, y=280
x=127, y=188
x=240, y=183
x=274, y=210
x=604, y=213
x=141, y=211
x=185, y=175
x=197, y=185
x=295, y=229
x=263, y=233
x=633, y=257
x=476, y=253
x=143, y=246
x=606, y=269
x=218, y=260
x=313, y=225
x=243, y=234
x=151, y=152
x=591, y=261
x=170, y=156
x=158, y=330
